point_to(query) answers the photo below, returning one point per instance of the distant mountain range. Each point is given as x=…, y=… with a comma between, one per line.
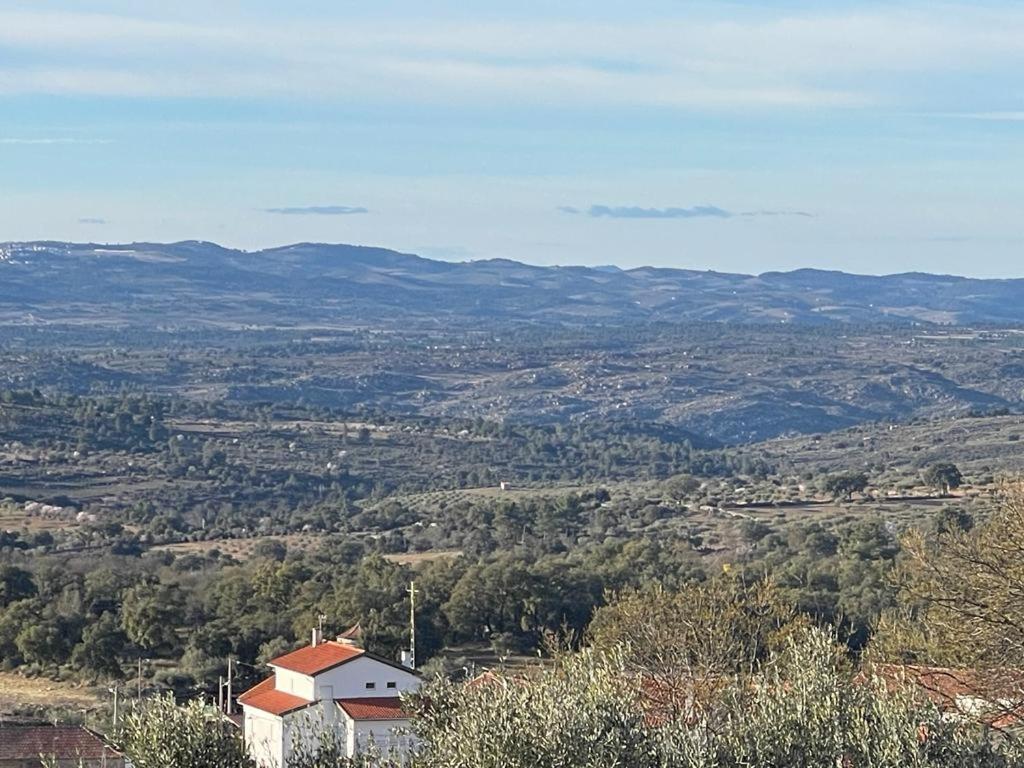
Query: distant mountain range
x=195, y=284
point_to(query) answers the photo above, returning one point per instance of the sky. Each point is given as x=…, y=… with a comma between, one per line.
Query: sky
x=741, y=136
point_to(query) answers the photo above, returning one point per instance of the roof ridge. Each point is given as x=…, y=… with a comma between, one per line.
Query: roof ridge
x=314, y=659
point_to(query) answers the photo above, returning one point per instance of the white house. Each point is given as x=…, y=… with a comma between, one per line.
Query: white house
x=328, y=685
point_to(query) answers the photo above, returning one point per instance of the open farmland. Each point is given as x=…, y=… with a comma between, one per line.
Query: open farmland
x=21, y=695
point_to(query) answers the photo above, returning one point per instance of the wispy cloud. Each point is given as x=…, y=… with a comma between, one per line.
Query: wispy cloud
x=801, y=214
x=961, y=239
x=636, y=212
x=694, y=212
x=1009, y=117
x=50, y=140
x=318, y=210
x=91, y=220
x=696, y=59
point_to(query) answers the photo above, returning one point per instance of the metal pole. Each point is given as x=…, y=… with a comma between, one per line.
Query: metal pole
x=220, y=693
x=231, y=709
x=115, y=711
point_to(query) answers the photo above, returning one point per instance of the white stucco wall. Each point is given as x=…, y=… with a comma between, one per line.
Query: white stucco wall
x=349, y=680
x=303, y=729
x=272, y=740
x=294, y=683
x=263, y=733
x=389, y=736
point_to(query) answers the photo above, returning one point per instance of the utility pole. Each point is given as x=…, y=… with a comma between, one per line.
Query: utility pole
x=230, y=680
x=412, y=624
x=114, y=691
x=220, y=694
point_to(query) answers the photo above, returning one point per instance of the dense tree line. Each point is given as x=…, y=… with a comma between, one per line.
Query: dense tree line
x=519, y=580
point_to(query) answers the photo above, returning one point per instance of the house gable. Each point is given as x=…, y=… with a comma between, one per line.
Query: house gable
x=365, y=676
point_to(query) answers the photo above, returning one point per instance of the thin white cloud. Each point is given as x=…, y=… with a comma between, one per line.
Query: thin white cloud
x=788, y=58
x=58, y=30
x=318, y=210
x=674, y=212
x=638, y=212
x=1008, y=117
x=774, y=213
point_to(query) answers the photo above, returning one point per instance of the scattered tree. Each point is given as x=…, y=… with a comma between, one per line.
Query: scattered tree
x=843, y=486
x=943, y=477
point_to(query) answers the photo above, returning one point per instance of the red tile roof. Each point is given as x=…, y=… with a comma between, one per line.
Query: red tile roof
x=28, y=742
x=265, y=698
x=313, y=660
x=992, y=696
x=374, y=708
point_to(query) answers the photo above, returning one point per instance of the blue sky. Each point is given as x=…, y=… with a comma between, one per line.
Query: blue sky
x=740, y=136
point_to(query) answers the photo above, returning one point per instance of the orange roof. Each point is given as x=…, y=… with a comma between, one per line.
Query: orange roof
x=945, y=684
x=997, y=691
x=374, y=708
x=313, y=660
x=264, y=697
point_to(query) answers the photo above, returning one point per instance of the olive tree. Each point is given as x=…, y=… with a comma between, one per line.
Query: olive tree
x=804, y=708
x=159, y=733
x=962, y=598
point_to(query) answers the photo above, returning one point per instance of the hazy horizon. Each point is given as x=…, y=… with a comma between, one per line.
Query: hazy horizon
x=868, y=137
x=525, y=262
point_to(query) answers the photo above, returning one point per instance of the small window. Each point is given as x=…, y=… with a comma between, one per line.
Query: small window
x=370, y=686
x=392, y=685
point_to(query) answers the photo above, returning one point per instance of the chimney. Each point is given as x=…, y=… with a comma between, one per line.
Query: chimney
x=318, y=636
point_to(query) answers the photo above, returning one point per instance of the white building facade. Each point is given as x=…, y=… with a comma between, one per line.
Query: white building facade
x=331, y=687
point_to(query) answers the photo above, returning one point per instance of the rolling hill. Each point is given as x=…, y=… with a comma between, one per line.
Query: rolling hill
x=196, y=284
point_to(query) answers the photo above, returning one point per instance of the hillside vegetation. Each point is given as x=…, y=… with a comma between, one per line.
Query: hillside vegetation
x=202, y=451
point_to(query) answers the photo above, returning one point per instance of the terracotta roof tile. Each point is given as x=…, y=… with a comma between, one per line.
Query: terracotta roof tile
x=261, y=687
x=992, y=696
x=374, y=708
x=265, y=698
x=312, y=660
x=28, y=742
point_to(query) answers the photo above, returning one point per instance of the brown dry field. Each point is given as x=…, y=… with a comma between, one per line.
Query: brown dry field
x=17, y=692
x=241, y=549
x=11, y=520
x=419, y=558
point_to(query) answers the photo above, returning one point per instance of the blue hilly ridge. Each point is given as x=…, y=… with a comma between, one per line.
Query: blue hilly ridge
x=196, y=282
